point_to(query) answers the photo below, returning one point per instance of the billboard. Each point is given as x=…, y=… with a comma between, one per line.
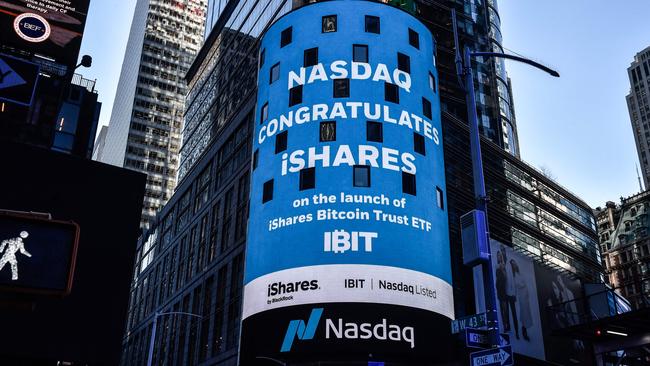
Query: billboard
x=51, y=28
x=525, y=289
x=37, y=254
x=348, y=247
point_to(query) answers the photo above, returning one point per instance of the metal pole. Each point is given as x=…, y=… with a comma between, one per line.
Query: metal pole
x=481, y=199
x=153, y=330
x=152, y=339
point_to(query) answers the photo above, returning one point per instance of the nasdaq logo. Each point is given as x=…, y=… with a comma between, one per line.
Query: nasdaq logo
x=298, y=328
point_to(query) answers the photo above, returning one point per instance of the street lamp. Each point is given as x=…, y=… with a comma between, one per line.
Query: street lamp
x=153, y=330
x=466, y=81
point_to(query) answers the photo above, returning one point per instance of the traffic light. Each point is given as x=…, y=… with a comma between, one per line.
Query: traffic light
x=37, y=254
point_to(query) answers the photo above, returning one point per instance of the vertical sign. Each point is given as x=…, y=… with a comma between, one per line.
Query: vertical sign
x=348, y=249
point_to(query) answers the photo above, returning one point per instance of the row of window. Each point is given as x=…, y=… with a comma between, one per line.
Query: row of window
x=327, y=133
x=360, y=178
x=329, y=25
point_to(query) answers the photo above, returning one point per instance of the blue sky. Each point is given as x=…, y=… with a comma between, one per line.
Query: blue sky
x=576, y=126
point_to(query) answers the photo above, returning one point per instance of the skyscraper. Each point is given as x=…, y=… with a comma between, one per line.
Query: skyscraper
x=192, y=257
x=639, y=108
x=145, y=127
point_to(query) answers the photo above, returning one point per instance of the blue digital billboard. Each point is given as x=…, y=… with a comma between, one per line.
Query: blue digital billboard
x=348, y=241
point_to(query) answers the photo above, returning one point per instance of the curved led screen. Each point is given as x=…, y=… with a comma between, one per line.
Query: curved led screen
x=348, y=248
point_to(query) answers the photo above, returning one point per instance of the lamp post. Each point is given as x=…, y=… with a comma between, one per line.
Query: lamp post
x=466, y=81
x=152, y=340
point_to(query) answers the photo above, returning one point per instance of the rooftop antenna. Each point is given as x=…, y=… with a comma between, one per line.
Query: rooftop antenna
x=638, y=176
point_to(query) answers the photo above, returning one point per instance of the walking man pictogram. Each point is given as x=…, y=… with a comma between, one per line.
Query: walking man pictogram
x=13, y=246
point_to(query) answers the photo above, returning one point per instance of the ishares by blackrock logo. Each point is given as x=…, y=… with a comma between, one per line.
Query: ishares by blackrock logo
x=339, y=329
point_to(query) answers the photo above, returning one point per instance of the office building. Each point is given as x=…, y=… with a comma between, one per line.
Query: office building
x=191, y=258
x=624, y=234
x=639, y=107
x=144, y=131
x=76, y=125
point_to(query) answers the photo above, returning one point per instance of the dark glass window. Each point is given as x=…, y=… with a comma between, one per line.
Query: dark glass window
x=274, y=74
x=307, y=178
x=281, y=141
x=440, y=197
x=286, y=37
x=327, y=131
x=360, y=53
x=311, y=57
x=408, y=183
x=426, y=107
x=418, y=143
x=295, y=95
x=341, y=88
x=361, y=176
x=262, y=57
x=391, y=93
x=403, y=62
x=267, y=191
x=374, y=131
x=432, y=82
x=329, y=24
x=372, y=24
x=256, y=157
x=264, y=115
x=414, y=38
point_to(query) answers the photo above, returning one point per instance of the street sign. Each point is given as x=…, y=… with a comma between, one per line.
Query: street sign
x=471, y=321
x=17, y=80
x=477, y=338
x=501, y=356
x=37, y=254
x=504, y=339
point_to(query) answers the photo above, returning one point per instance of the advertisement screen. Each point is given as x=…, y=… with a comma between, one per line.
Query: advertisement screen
x=525, y=289
x=348, y=248
x=52, y=28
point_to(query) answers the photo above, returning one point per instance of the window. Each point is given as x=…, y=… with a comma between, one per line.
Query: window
x=360, y=53
x=281, y=141
x=440, y=197
x=403, y=63
x=329, y=24
x=262, y=57
x=408, y=183
x=327, y=131
x=372, y=24
x=255, y=158
x=341, y=88
x=274, y=74
x=307, y=178
x=311, y=57
x=391, y=93
x=426, y=107
x=264, y=113
x=374, y=131
x=286, y=37
x=295, y=95
x=267, y=191
x=418, y=143
x=414, y=38
x=361, y=176
x=432, y=82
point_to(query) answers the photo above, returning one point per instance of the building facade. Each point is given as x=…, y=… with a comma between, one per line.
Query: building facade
x=624, y=234
x=638, y=105
x=191, y=259
x=145, y=127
